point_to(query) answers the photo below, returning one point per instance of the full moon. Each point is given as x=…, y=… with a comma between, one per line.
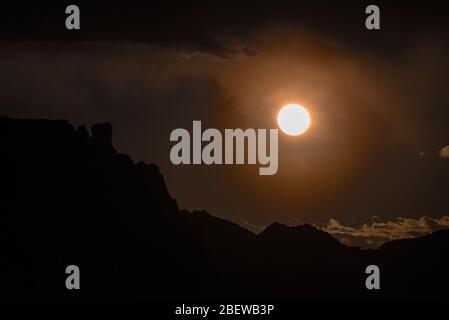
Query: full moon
x=293, y=119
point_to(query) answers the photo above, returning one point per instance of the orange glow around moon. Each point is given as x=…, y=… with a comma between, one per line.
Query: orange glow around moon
x=293, y=119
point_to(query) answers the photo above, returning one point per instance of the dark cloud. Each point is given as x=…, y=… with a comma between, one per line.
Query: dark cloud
x=201, y=26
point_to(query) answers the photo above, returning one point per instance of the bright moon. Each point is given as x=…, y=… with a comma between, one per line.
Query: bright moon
x=293, y=119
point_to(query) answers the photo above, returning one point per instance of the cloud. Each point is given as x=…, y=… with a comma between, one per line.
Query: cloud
x=375, y=234
x=444, y=152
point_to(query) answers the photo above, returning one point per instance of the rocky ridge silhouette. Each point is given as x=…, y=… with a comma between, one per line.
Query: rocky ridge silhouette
x=68, y=197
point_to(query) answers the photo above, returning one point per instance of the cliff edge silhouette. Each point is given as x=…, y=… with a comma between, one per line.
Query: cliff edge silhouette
x=68, y=197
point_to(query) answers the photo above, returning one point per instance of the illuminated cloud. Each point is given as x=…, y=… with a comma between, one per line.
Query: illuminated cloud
x=444, y=152
x=375, y=234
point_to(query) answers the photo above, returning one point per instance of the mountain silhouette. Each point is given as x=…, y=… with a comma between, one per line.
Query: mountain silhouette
x=68, y=197
x=281, y=237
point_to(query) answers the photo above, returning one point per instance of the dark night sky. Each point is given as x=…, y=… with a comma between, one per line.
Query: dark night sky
x=378, y=99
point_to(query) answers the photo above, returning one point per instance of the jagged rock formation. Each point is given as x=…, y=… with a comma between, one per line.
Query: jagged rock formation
x=69, y=197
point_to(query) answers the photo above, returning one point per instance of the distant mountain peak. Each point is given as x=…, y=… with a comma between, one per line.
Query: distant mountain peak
x=276, y=227
x=298, y=237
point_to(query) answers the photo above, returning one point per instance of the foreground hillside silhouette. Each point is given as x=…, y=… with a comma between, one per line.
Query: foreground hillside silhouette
x=68, y=197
